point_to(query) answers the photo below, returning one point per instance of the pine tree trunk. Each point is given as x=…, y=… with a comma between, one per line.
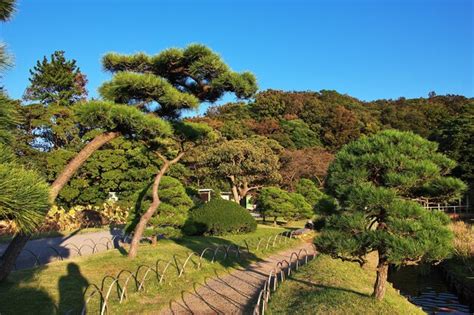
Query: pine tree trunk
x=380, y=285
x=141, y=226
x=12, y=252
x=71, y=168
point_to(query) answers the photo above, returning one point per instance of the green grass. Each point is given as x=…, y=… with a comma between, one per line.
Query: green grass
x=60, y=284
x=329, y=286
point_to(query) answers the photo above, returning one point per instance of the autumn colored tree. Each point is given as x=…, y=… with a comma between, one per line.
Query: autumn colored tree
x=376, y=180
x=165, y=85
x=309, y=163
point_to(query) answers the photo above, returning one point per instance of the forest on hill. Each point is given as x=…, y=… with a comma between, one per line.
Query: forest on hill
x=312, y=126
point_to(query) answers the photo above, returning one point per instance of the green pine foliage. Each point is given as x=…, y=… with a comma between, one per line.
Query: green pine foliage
x=309, y=190
x=175, y=79
x=7, y=8
x=23, y=192
x=56, y=84
x=127, y=120
x=219, y=217
x=301, y=208
x=56, y=81
x=9, y=118
x=376, y=180
x=275, y=202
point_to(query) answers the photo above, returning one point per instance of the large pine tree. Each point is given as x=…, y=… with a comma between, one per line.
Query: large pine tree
x=165, y=85
x=377, y=181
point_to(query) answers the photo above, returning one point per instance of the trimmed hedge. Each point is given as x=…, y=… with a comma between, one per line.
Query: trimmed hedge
x=219, y=217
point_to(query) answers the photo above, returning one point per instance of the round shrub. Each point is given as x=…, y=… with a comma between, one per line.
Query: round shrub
x=218, y=217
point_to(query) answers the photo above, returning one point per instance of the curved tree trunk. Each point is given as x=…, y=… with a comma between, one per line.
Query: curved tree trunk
x=380, y=285
x=19, y=241
x=71, y=168
x=141, y=226
x=12, y=252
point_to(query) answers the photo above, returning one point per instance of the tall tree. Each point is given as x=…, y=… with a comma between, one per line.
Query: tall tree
x=376, y=180
x=56, y=81
x=167, y=84
x=55, y=85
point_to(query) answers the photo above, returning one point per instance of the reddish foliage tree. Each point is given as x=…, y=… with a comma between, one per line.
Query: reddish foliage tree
x=310, y=163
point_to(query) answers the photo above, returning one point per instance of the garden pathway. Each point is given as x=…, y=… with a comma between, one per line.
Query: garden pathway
x=44, y=250
x=233, y=293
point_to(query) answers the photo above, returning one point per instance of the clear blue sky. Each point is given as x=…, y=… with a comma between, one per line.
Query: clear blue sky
x=368, y=49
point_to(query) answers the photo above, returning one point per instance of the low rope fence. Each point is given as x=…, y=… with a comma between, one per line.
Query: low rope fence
x=52, y=253
x=116, y=289
x=278, y=275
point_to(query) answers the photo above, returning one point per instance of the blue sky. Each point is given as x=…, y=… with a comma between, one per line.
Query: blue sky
x=368, y=49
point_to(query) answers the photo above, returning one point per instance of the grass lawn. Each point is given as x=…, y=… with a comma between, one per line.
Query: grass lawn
x=329, y=286
x=60, y=284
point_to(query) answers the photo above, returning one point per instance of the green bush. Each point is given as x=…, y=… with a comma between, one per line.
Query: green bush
x=219, y=217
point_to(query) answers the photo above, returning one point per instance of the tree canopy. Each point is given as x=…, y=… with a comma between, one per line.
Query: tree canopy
x=246, y=164
x=175, y=79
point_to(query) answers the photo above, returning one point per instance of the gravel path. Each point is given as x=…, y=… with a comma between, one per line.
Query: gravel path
x=44, y=250
x=233, y=293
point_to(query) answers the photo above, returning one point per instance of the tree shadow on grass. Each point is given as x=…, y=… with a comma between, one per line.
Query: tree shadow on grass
x=17, y=298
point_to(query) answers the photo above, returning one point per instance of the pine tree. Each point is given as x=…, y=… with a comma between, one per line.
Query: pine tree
x=57, y=81
x=167, y=84
x=56, y=84
x=377, y=181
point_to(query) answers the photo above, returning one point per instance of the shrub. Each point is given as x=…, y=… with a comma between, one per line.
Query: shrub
x=219, y=217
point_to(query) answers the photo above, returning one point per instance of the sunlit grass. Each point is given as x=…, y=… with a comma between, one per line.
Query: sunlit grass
x=60, y=284
x=329, y=286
